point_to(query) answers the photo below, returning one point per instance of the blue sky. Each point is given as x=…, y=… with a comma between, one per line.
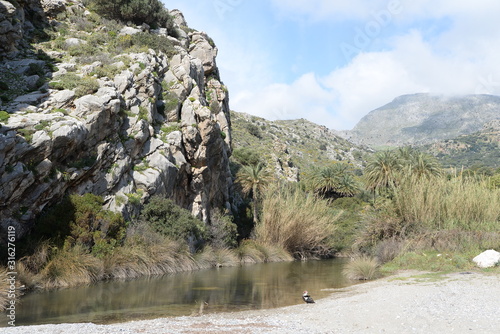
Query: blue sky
x=333, y=61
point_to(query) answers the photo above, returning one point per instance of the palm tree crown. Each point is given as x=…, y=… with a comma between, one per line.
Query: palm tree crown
x=333, y=181
x=253, y=179
x=381, y=171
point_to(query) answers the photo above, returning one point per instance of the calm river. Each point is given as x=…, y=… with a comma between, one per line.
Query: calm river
x=225, y=289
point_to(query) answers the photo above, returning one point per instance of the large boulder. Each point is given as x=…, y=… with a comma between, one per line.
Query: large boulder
x=53, y=7
x=487, y=259
x=203, y=49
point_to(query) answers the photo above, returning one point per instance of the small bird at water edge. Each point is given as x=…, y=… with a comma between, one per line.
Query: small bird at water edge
x=308, y=299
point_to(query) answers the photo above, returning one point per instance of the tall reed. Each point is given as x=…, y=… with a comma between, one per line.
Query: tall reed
x=440, y=204
x=299, y=222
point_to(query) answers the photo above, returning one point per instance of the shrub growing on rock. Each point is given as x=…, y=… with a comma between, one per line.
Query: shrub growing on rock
x=81, y=86
x=151, y=12
x=170, y=220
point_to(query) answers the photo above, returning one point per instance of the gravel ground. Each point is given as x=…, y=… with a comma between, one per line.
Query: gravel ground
x=404, y=303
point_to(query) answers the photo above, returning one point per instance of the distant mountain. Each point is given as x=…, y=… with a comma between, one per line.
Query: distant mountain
x=422, y=119
x=480, y=149
x=291, y=146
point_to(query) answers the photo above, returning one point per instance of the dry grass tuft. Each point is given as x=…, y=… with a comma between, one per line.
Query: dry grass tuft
x=251, y=251
x=217, y=257
x=362, y=268
x=4, y=289
x=387, y=250
x=70, y=268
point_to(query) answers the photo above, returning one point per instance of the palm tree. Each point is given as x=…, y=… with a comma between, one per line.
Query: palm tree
x=424, y=165
x=334, y=181
x=253, y=179
x=381, y=172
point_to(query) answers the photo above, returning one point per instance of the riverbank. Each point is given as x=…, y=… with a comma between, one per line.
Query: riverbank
x=409, y=302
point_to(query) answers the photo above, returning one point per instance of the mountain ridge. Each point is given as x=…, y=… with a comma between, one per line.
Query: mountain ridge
x=417, y=119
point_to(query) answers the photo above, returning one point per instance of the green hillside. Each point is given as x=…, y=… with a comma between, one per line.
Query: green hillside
x=291, y=145
x=480, y=149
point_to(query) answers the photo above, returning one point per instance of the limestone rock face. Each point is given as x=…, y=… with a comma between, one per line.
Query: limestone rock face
x=53, y=7
x=11, y=26
x=159, y=125
x=202, y=48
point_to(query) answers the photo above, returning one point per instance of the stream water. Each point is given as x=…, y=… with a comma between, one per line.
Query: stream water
x=257, y=286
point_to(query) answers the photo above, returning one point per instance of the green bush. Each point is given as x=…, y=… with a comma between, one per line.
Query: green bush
x=170, y=128
x=79, y=220
x=35, y=69
x=222, y=231
x=4, y=116
x=106, y=71
x=26, y=133
x=81, y=86
x=155, y=42
x=170, y=220
x=253, y=130
x=246, y=156
x=151, y=12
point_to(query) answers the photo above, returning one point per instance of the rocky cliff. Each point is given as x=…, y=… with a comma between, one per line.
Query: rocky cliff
x=125, y=125
x=422, y=118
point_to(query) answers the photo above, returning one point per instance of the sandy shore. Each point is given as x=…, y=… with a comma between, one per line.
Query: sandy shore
x=404, y=303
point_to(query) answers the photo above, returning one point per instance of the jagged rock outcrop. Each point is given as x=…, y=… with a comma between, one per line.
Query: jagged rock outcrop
x=11, y=26
x=155, y=125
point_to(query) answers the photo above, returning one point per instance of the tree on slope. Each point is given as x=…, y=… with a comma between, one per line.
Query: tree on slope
x=253, y=179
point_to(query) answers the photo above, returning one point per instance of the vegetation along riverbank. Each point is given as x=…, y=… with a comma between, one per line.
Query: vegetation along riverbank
x=120, y=160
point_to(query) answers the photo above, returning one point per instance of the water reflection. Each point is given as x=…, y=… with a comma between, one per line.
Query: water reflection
x=225, y=289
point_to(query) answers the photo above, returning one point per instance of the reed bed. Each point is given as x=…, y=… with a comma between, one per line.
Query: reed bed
x=440, y=204
x=70, y=267
x=296, y=221
x=217, y=257
x=251, y=251
x=138, y=257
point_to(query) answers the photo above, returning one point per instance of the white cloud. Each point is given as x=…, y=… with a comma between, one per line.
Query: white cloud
x=327, y=9
x=304, y=98
x=452, y=48
x=460, y=57
x=339, y=99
